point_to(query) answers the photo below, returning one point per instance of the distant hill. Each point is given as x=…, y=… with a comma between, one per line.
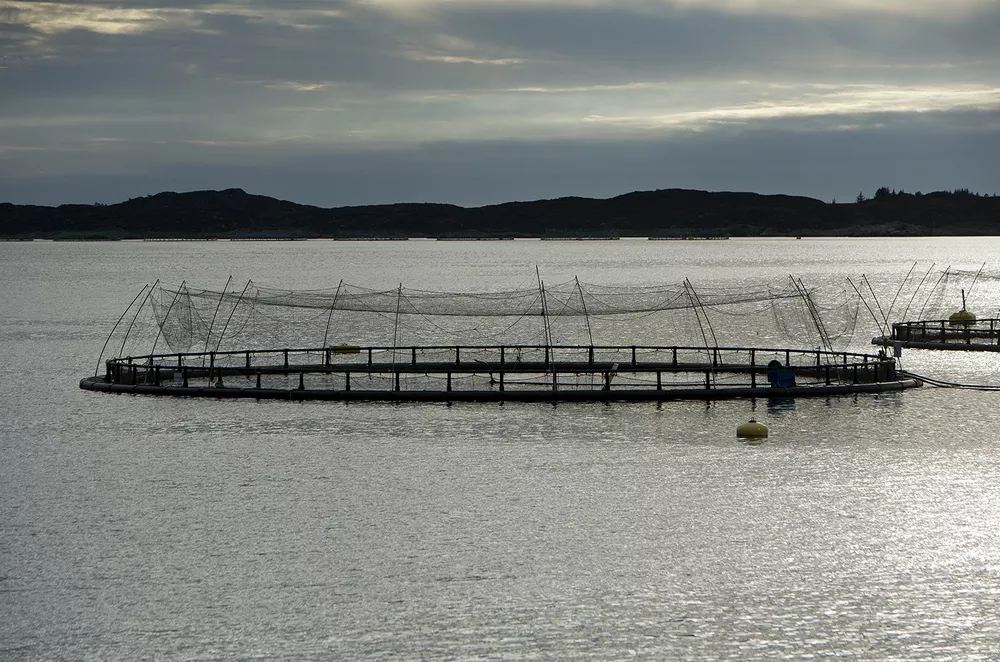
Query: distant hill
x=663, y=213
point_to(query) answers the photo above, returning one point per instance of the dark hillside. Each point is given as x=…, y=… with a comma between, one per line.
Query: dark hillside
x=662, y=213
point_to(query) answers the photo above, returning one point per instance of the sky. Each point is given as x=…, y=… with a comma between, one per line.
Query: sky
x=473, y=102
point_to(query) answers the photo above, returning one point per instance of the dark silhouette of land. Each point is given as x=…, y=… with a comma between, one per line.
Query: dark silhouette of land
x=664, y=213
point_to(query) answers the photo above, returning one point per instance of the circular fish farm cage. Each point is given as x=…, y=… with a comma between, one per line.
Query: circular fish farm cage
x=515, y=373
x=568, y=342
x=944, y=321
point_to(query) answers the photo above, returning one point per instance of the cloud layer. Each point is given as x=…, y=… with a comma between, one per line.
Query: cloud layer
x=141, y=92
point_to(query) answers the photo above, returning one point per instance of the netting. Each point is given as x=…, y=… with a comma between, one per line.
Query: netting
x=927, y=294
x=784, y=314
x=948, y=291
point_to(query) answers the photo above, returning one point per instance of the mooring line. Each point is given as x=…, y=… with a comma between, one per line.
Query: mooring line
x=940, y=383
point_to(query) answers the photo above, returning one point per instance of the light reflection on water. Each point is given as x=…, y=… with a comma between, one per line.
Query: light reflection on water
x=864, y=527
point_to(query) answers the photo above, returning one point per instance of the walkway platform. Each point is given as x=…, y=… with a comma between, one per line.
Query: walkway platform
x=499, y=374
x=944, y=335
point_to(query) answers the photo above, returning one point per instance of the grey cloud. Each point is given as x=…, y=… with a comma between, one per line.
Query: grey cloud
x=602, y=41
x=193, y=107
x=355, y=48
x=913, y=153
x=560, y=46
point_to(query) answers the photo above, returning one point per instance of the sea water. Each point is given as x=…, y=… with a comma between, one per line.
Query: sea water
x=865, y=527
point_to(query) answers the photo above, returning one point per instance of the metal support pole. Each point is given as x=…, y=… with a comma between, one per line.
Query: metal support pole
x=159, y=331
x=333, y=306
x=546, y=330
x=225, y=291
x=395, y=328
x=101, y=355
x=231, y=313
x=583, y=303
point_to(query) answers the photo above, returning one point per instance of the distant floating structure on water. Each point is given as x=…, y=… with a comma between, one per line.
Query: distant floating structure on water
x=961, y=330
x=535, y=344
x=689, y=238
x=978, y=335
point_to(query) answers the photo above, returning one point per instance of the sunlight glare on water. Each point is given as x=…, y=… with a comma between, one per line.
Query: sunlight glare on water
x=864, y=527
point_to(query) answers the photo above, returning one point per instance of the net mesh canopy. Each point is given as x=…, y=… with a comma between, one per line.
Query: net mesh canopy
x=252, y=317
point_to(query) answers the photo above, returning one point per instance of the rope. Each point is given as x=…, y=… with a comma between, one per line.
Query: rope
x=940, y=383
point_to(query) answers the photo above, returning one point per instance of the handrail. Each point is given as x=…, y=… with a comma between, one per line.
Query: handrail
x=839, y=367
x=150, y=359
x=982, y=320
x=947, y=331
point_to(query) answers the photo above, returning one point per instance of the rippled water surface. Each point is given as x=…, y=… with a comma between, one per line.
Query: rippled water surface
x=134, y=528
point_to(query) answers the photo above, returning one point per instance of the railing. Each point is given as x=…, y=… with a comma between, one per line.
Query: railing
x=477, y=367
x=984, y=331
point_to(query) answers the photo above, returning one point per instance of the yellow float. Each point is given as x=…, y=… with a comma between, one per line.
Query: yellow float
x=962, y=317
x=751, y=430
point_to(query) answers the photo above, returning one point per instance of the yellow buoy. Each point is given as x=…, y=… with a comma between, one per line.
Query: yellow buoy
x=752, y=430
x=962, y=317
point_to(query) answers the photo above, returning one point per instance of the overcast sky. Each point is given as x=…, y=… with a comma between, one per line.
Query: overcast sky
x=338, y=102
